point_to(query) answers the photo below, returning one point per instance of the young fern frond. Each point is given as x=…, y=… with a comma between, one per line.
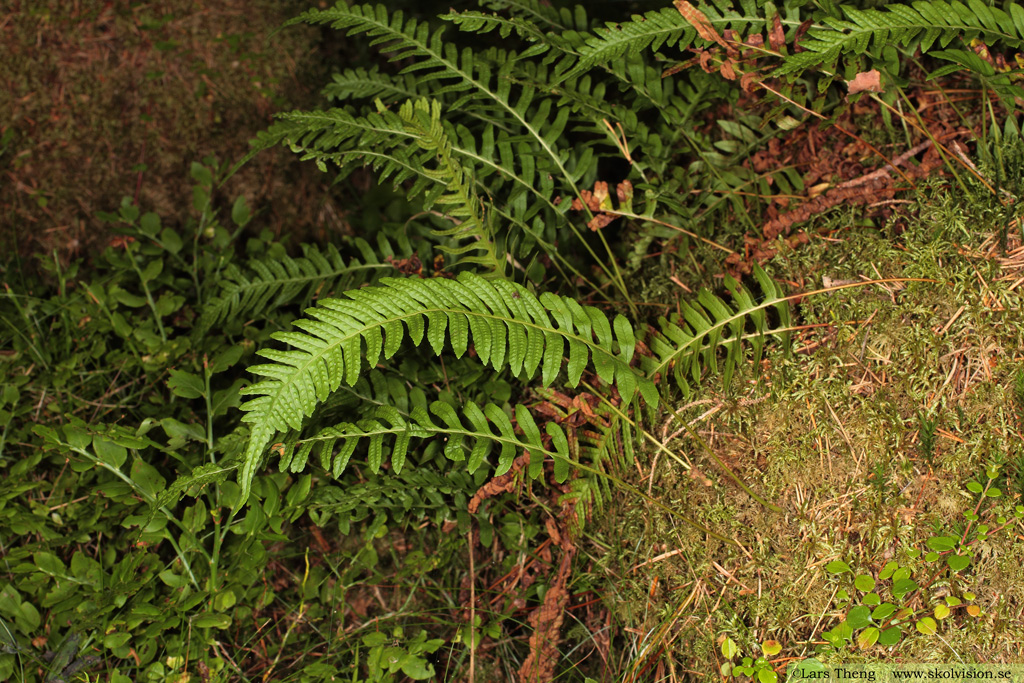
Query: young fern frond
x=924, y=23
x=509, y=327
x=552, y=19
x=685, y=346
x=280, y=280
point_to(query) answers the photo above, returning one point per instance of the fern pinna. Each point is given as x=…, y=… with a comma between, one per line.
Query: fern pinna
x=509, y=326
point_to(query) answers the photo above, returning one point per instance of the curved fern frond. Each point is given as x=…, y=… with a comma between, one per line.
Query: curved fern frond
x=277, y=280
x=509, y=326
x=469, y=436
x=923, y=23
x=689, y=344
x=555, y=19
x=480, y=22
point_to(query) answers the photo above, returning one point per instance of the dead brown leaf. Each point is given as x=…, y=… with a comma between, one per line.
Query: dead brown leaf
x=866, y=81
x=776, y=36
x=700, y=22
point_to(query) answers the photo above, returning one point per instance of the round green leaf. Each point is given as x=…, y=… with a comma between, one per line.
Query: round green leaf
x=958, y=562
x=941, y=611
x=883, y=611
x=889, y=636
x=902, y=587
x=941, y=543
x=859, y=617
x=771, y=648
x=837, y=567
x=927, y=626
x=864, y=583
x=867, y=638
x=729, y=648
x=767, y=675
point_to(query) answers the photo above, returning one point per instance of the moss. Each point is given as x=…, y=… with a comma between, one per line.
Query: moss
x=836, y=436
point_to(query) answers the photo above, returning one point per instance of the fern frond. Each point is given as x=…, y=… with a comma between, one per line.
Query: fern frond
x=509, y=327
x=923, y=23
x=413, y=496
x=373, y=84
x=462, y=72
x=652, y=30
x=469, y=435
x=480, y=22
x=460, y=203
x=686, y=346
x=278, y=280
x=553, y=19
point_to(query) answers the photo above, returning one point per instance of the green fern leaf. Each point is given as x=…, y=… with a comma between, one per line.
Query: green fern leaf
x=279, y=280
x=684, y=347
x=329, y=349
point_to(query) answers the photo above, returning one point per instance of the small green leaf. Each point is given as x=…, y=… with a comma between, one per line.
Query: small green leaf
x=150, y=224
x=771, y=648
x=868, y=638
x=941, y=543
x=994, y=493
x=888, y=570
x=864, y=583
x=889, y=636
x=767, y=675
x=902, y=587
x=201, y=174
x=941, y=611
x=871, y=599
x=109, y=452
x=837, y=567
x=883, y=611
x=859, y=617
x=211, y=620
x=952, y=601
x=729, y=648
x=958, y=562
x=240, y=212
x=186, y=384
x=975, y=487
x=927, y=626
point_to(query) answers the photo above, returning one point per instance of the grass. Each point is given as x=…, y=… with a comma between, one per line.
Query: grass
x=836, y=435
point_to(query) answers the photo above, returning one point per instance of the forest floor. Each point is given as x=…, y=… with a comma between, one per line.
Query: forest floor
x=890, y=438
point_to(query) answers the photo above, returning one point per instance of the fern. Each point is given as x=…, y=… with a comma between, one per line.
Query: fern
x=423, y=118
x=476, y=430
x=510, y=327
x=280, y=280
x=923, y=24
x=372, y=84
x=686, y=346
